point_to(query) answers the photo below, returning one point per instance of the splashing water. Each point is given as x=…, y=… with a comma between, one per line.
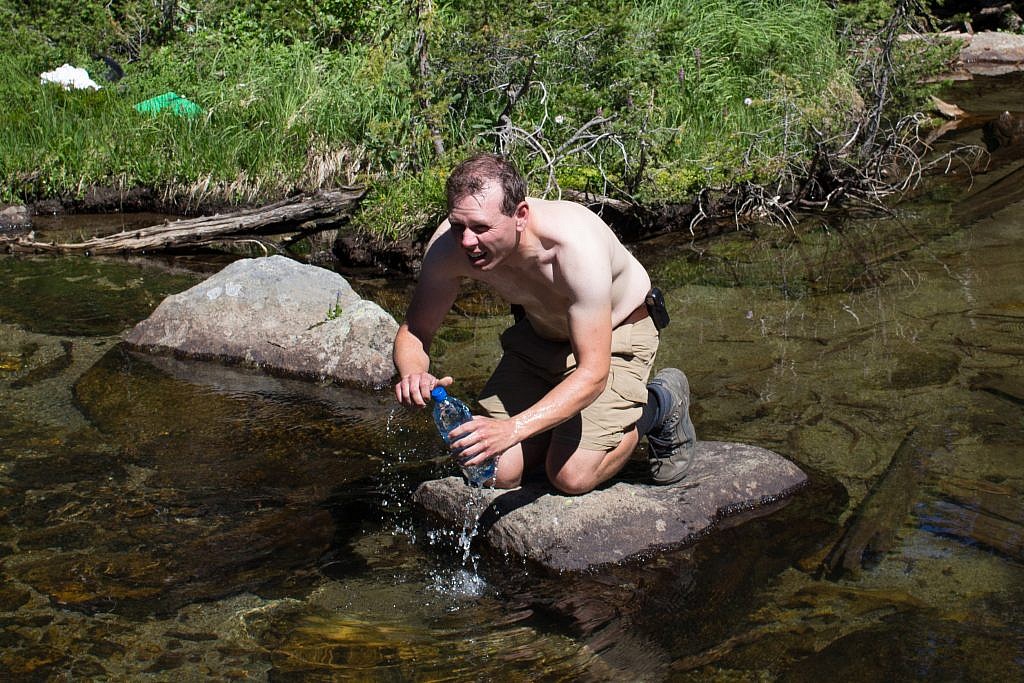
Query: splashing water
x=464, y=581
x=470, y=528
x=394, y=481
x=457, y=584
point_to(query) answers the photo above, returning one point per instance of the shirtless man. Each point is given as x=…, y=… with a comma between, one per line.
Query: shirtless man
x=570, y=391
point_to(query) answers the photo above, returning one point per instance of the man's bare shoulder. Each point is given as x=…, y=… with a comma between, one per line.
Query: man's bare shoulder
x=564, y=209
x=443, y=250
x=565, y=222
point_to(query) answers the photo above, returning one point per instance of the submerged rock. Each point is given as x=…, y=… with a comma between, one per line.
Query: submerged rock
x=621, y=521
x=277, y=314
x=1006, y=130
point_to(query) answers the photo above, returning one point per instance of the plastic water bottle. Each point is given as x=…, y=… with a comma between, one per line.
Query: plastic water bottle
x=449, y=413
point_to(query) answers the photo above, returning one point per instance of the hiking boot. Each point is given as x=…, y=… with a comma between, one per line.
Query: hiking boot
x=671, y=443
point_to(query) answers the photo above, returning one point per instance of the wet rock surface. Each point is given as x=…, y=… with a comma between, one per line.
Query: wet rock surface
x=1006, y=130
x=621, y=521
x=992, y=48
x=14, y=219
x=277, y=314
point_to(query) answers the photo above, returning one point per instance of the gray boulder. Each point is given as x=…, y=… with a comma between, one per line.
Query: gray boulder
x=277, y=314
x=991, y=53
x=622, y=521
x=985, y=53
x=14, y=218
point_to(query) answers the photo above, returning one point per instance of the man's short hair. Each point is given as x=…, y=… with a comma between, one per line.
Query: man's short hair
x=472, y=176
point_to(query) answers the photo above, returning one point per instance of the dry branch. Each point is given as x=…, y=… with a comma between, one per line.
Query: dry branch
x=295, y=214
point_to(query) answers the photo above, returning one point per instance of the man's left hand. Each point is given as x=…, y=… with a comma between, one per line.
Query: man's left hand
x=483, y=438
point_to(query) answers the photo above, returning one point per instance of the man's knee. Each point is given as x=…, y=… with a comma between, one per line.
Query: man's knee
x=508, y=473
x=571, y=481
x=507, y=481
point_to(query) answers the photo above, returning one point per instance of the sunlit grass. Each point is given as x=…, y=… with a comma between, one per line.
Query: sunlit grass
x=696, y=93
x=263, y=113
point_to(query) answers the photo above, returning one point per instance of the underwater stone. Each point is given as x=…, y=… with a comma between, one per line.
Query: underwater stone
x=622, y=521
x=278, y=314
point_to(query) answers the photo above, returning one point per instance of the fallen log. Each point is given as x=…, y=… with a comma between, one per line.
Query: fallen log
x=872, y=529
x=295, y=214
x=982, y=202
x=970, y=521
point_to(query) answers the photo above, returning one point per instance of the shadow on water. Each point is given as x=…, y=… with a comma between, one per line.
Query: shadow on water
x=164, y=518
x=682, y=608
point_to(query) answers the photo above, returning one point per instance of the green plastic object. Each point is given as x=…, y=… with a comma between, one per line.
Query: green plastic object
x=172, y=102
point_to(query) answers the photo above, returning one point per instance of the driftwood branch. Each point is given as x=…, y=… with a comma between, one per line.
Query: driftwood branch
x=513, y=96
x=290, y=215
x=979, y=512
x=425, y=16
x=873, y=527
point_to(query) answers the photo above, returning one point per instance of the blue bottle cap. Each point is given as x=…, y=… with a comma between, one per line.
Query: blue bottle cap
x=438, y=394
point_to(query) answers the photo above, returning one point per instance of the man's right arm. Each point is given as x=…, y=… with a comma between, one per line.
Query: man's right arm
x=433, y=297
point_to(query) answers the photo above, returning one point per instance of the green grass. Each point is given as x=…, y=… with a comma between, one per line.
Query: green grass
x=272, y=116
x=697, y=93
x=740, y=86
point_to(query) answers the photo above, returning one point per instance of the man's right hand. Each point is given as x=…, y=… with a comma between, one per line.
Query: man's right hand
x=414, y=389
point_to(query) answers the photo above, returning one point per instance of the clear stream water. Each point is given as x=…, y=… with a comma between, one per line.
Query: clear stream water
x=174, y=520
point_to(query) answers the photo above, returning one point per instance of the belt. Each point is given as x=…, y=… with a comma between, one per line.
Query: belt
x=638, y=314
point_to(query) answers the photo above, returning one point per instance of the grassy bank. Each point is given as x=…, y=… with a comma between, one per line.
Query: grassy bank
x=646, y=101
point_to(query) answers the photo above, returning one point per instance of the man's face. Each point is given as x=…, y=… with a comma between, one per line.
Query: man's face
x=484, y=232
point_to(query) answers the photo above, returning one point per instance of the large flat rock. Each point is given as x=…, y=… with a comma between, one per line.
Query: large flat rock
x=277, y=314
x=993, y=48
x=621, y=521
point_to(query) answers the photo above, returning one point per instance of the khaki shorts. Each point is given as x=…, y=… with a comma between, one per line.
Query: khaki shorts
x=531, y=366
